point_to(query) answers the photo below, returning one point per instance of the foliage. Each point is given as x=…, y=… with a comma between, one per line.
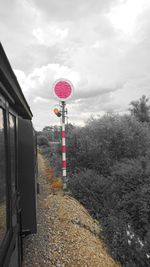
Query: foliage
x=88, y=187
x=111, y=157
x=140, y=109
x=104, y=141
x=52, y=133
x=128, y=197
x=42, y=140
x=109, y=173
x=121, y=203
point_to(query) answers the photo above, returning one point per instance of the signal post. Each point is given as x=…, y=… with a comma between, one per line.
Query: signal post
x=63, y=136
x=63, y=90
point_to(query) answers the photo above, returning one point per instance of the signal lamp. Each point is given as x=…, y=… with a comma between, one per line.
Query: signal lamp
x=57, y=112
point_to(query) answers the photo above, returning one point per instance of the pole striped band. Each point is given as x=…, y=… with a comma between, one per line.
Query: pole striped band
x=63, y=149
x=63, y=134
x=63, y=156
x=63, y=142
x=64, y=164
x=64, y=173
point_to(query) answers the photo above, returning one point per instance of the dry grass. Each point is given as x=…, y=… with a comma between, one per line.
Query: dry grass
x=57, y=183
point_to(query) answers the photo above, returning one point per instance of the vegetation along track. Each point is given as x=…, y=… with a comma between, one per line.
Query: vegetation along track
x=67, y=235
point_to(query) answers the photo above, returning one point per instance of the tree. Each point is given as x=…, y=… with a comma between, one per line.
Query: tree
x=52, y=133
x=42, y=140
x=140, y=109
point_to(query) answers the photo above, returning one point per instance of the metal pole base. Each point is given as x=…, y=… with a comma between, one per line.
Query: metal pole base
x=64, y=186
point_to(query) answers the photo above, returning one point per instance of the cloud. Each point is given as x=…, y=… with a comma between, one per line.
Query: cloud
x=18, y=19
x=35, y=56
x=39, y=99
x=38, y=89
x=39, y=83
x=103, y=47
x=41, y=79
x=51, y=35
x=125, y=17
x=67, y=10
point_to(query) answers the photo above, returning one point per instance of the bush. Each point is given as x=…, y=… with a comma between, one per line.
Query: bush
x=88, y=187
x=112, y=159
x=42, y=140
x=121, y=203
x=107, y=140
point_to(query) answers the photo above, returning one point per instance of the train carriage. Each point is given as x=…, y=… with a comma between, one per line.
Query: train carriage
x=18, y=185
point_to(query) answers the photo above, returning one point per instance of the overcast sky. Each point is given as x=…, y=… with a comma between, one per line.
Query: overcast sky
x=101, y=46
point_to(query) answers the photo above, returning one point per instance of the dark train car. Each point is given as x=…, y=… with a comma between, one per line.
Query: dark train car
x=17, y=167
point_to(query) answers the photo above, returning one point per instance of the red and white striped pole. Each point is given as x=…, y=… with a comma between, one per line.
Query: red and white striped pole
x=63, y=90
x=63, y=135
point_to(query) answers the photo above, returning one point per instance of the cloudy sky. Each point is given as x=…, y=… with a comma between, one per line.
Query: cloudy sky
x=101, y=46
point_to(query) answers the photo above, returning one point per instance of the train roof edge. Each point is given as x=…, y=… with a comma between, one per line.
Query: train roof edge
x=13, y=92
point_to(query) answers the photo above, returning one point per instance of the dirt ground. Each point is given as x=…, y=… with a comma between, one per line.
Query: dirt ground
x=67, y=235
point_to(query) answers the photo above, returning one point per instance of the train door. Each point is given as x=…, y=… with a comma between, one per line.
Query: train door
x=4, y=205
x=9, y=227
x=27, y=176
x=14, y=194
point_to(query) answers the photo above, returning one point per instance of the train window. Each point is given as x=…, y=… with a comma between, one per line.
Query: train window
x=3, y=223
x=12, y=152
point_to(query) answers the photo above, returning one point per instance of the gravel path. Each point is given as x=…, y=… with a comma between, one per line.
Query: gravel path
x=36, y=247
x=67, y=235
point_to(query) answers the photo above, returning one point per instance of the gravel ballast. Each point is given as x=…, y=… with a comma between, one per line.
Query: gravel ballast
x=67, y=235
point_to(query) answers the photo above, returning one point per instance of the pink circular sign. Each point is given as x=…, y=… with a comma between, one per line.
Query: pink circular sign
x=63, y=89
